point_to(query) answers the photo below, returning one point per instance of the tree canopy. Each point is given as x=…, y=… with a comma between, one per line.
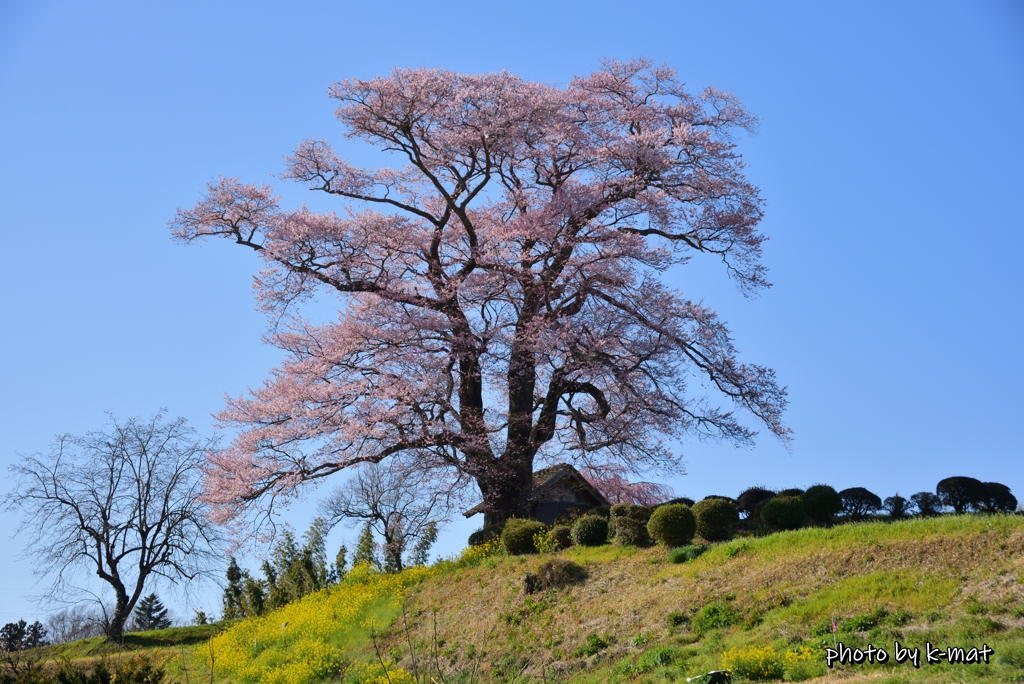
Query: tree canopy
x=502, y=289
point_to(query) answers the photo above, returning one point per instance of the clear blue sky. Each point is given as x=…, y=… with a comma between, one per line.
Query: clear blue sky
x=889, y=150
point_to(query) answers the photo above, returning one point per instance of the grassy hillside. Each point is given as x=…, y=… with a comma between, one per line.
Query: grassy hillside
x=626, y=614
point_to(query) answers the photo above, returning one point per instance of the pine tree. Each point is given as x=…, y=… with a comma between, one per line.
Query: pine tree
x=233, y=593
x=366, y=550
x=150, y=614
x=341, y=564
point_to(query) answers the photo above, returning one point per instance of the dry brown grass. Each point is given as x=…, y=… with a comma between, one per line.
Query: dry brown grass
x=787, y=582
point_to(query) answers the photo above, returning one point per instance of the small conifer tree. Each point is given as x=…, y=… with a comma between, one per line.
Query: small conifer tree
x=366, y=549
x=150, y=614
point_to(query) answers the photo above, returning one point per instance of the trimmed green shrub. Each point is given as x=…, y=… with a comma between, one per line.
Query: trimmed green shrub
x=628, y=524
x=821, y=502
x=792, y=491
x=672, y=525
x=686, y=553
x=750, y=501
x=486, y=534
x=783, y=512
x=716, y=518
x=631, y=511
x=569, y=516
x=561, y=535
x=517, y=537
x=718, y=496
x=590, y=530
x=897, y=506
x=630, y=532
x=859, y=502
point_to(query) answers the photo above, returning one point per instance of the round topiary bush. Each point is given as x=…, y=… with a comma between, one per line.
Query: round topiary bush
x=793, y=491
x=672, y=525
x=562, y=536
x=783, y=512
x=630, y=532
x=631, y=511
x=486, y=534
x=628, y=524
x=750, y=501
x=821, y=502
x=590, y=530
x=716, y=518
x=517, y=537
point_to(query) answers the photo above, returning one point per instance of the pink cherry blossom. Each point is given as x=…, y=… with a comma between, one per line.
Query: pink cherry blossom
x=500, y=290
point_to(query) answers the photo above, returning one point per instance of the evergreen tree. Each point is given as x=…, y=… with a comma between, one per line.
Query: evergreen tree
x=233, y=593
x=18, y=636
x=316, y=547
x=366, y=550
x=421, y=552
x=150, y=614
x=254, y=597
x=341, y=564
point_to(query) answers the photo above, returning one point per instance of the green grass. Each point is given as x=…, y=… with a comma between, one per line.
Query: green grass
x=950, y=580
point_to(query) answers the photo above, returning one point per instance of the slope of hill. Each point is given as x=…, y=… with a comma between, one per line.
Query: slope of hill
x=761, y=606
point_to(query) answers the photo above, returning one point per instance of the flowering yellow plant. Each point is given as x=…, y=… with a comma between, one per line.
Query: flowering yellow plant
x=292, y=645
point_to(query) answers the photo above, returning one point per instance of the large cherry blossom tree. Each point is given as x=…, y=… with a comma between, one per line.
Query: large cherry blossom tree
x=501, y=290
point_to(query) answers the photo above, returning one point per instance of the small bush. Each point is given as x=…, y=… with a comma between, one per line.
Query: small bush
x=675, y=618
x=131, y=670
x=821, y=502
x=859, y=502
x=865, y=621
x=783, y=513
x=590, y=530
x=630, y=532
x=672, y=525
x=486, y=534
x=655, y=658
x=543, y=542
x=632, y=511
x=592, y=646
x=792, y=491
x=569, y=516
x=714, y=616
x=927, y=504
x=716, y=518
x=517, y=537
x=750, y=500
x=561, y=535
x=897, y=506
x=756, y=663
x=678, y=500
x=554, y=574
x=686, y=553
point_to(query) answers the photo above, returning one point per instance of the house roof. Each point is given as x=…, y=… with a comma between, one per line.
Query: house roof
x=546, y=478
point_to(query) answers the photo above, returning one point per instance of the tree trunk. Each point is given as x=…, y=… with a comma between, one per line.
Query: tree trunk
x=506, y=491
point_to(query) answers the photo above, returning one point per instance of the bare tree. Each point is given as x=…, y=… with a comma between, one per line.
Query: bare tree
x=402, y=504
x=123, y=503
x=74, y=623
